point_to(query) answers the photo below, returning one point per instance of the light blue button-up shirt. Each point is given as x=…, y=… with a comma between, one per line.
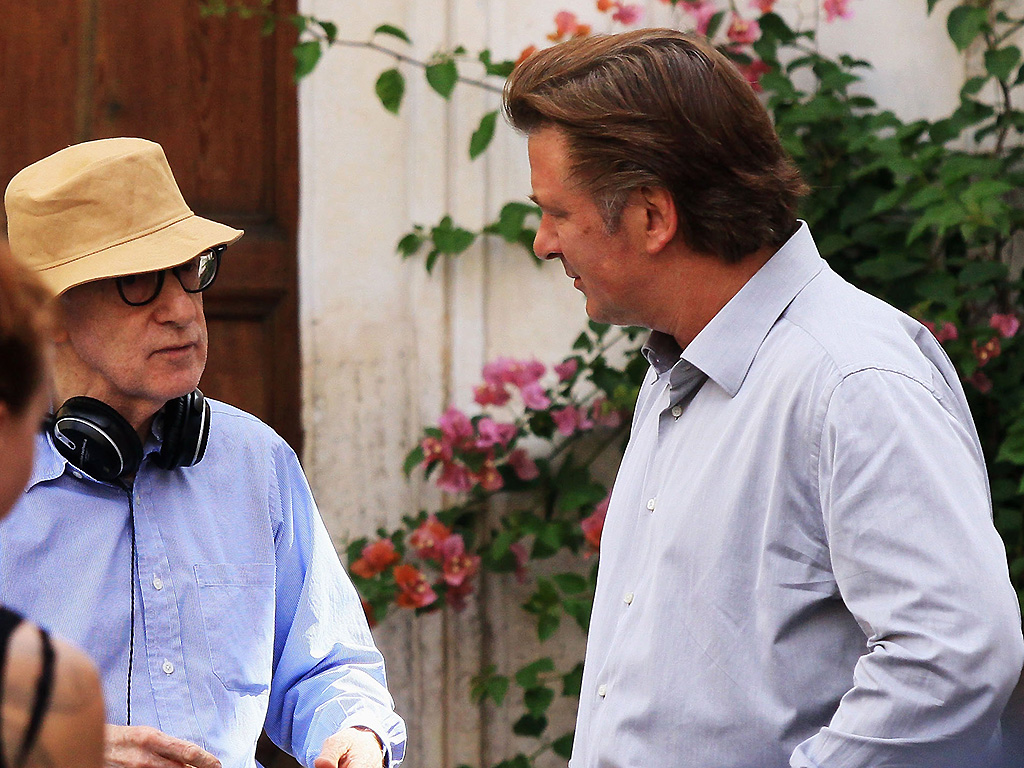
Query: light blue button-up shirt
x=243, y=613
x=799, y=566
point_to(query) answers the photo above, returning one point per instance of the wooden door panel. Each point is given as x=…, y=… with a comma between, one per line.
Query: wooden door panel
x=220, y=99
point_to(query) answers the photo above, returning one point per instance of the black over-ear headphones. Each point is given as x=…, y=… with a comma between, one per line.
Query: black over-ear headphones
x=98, y=440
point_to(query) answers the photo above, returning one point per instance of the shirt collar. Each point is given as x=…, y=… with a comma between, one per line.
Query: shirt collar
x=49, y=464
x=725, y=349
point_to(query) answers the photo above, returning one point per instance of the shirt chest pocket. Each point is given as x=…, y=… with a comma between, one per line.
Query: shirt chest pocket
x=237, y=604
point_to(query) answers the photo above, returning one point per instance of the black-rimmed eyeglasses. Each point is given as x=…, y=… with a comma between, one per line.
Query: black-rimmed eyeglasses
x=195, y=276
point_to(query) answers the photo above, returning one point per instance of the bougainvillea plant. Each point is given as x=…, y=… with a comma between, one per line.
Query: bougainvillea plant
x=922, y=213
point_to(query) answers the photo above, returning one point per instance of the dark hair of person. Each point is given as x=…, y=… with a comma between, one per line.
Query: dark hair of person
x=24, y=315
x=659, y=108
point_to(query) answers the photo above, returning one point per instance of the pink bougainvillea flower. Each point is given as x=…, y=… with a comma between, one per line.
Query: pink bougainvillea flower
x=593, y=525
x=753, y=72
x=375, y=558
x=426, y=540
x=837, y=9
x=435, y=449
x=535, y=397
x=605, y=5
x=491, y=433
x=743, y=31
x=567, y=369
x=521, y=463
x=985, y=352
x=764, y=6
x=460, y=566
x=702, y=13
x=456, y=597
x=1006, y=325
x=414, y=591
x=491, y=394
x=568, y=25
x=604, y=414
x=506, y=370
x=522, y=560
x=947, y=332
x=455, y=425
x=454, y=478
x=981, y=382
x=628, y=14
x=489, y=477
x=570, y=419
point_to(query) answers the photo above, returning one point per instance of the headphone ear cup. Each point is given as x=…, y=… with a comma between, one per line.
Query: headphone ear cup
x=186, y=429
x=95, y=439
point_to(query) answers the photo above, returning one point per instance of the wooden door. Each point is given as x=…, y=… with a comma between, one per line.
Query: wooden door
x=221, y=100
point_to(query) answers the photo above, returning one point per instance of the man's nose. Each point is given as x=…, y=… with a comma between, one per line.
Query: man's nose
x=174, y=305
x=545, y=243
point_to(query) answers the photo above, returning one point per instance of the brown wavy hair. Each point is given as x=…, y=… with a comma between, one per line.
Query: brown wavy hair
x=25, y=317
x=659, y=108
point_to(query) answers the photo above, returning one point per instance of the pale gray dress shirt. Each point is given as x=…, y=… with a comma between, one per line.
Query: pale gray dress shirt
x=799, y=566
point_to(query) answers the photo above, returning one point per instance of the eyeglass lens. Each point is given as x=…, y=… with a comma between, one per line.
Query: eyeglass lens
x=195, y=275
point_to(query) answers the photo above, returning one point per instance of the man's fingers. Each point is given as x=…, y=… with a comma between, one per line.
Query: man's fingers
x=142, y=745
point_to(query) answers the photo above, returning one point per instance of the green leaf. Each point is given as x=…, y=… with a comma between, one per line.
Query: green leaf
x=530, y=725
x=562, y=746
x=583, y=342
x=537, y=700
x=978, y=272
x=572, y=681
x=1000, y=63
x=442, y=76
x=496, y=68
x=547, y=625
x=391, y=29
x=413, y=460
x=965, y=23
x=410, y=244
x=570, y=583
x=330, y=30
x=482, y=135
x=306, y=54
x=390, y=88
x=714, y=24
x=450, y=239
x=511, y=221
x=528, y=676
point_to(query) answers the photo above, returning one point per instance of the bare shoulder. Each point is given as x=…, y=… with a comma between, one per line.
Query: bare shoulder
x=72, y=727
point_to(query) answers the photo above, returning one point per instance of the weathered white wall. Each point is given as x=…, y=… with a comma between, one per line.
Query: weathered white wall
x=385, y=347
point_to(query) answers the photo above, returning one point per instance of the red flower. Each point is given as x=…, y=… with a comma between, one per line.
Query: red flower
x=426, y=540
x=435, y=449
x=414, y=591
x=947, y=332
x=491, y=394
x=371, y=617
x=459, y=568
x=522, y=558
x=456, y=596
x=527, y=52
x=594, y=524
x=535, y=397
x=985, y=352
x=567, y=368
x=455, y=425
x=375, y=558
x=754, y=71
x=491, y=433
x=605, y=5
x=454, y=478
x=764, y=6
x=628, y=14
x=489, y=477
x=981, y=382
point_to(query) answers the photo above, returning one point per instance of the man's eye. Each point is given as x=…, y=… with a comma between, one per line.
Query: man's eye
x=129, y=280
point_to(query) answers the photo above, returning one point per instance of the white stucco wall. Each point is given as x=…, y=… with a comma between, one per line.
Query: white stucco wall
x=385, y=347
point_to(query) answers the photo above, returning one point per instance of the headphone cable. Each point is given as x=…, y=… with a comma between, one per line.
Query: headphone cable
x=131, y=591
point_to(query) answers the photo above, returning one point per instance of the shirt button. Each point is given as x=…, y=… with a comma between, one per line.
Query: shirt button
x=158, y=583
x=602, y=691
x=628, y=598
x=650, y=504
x=677, y=411
x=167, y=667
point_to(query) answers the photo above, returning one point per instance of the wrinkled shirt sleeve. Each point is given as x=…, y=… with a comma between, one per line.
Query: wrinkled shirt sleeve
x=328, y=674
x=906, y=506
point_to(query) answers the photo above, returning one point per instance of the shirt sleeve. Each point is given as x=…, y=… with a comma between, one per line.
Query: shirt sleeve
x=919, y=564
x=328, y=674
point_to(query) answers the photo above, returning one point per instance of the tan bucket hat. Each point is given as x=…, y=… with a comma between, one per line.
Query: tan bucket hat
x=102, y=209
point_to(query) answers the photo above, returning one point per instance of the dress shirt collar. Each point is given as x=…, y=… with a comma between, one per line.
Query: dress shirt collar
x=49, y=464
x=725, y=349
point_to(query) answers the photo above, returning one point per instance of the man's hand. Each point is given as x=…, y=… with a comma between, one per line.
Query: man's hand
x=351, y=748
x=135, y=746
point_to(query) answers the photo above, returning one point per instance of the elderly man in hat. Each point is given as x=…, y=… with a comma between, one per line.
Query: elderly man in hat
x=173, y=537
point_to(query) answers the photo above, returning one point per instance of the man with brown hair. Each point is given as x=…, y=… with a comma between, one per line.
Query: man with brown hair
x=799, y=566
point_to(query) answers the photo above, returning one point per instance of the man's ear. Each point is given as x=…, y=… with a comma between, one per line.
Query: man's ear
x=661, y=217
